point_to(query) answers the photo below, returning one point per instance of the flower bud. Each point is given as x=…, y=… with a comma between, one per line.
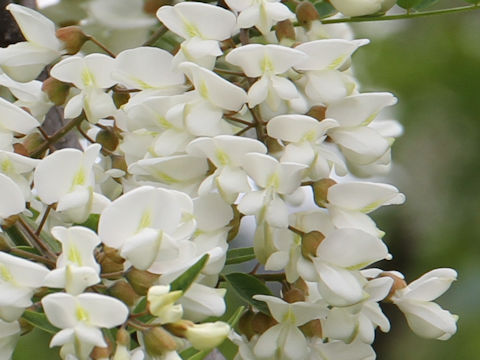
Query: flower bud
x=245, y=324
x=56, y=90
x=207, y=335
x=110, y=261
x=32, y=142
x=293, y=295
x=108, y=139
x=318, y=112
x=120, y=98
x=10, y=221
x=310, y=242
x=4, y=245
x=398, y=283
x=20, y=149
x=306, y=13
x=261, y=323
x=123, y=337
x=99, y=353
x=161, y=303
x=141, y=280
x=123, y=291
x=73, y=38
x=158, y=341
x=313, y=328
x=320, y=191
x=285, y=30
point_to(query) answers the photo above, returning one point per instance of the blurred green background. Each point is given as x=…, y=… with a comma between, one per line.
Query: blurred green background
x=433, y=66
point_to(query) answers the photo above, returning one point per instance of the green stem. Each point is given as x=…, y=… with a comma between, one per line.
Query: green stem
x=402, y=16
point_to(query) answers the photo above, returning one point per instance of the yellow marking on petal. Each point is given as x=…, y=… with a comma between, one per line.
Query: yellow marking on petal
x=163, y=122
x=310, y=136
x=337, y=62
x=146, y=220
x=289, y=317
x=191, y=29
x=79, y=178
x=82, y=314
x=267, y=65
x=87, y=78
x=163, y=177
x=372, y=206
x=203, y=90
x=6, y=275
x=142, y=83
x=74, y=255
x=7, y=166
x=222, y=157
x=273, y=181
x=369, y=119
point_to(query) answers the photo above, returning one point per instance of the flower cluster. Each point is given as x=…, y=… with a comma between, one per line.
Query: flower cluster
x=250, y=109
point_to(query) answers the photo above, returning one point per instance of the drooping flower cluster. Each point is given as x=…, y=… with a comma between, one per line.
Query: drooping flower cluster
x=235, y=112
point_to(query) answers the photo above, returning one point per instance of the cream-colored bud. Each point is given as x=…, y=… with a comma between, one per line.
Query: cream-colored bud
x=208, y=335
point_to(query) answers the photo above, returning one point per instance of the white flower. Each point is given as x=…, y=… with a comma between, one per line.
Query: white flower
x=226, y=153
x=207, y=335
x=285, y=340
x=338, y=350
x=76, y=265
x=91, y=74
x=161, y=304
x=18, y=280
x=426, y=318
x=362, y=7
x=262, y=14
x=349, y=203
x=148, y=68
x=72, y=189
x=13, y=119
x=23, y=61
x=267, y=62
x=146, y=224
x=81, y=318
x=9, y=335
x=202, y=26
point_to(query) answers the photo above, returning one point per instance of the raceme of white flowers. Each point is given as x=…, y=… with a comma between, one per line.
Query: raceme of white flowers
x=121, y=247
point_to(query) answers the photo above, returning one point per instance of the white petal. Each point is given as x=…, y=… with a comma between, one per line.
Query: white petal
x=15, y=119
x=104, y=311
x=351, y=248
x=13, y=201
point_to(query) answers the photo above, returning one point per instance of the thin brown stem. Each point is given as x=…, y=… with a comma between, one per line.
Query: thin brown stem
x=57, y=136
x=35, y=257
x=155, y=36
x=245, y=129
x=43, y=221
x=37, y=239
x=248, y=123
x=259, y=125
x=101, y=46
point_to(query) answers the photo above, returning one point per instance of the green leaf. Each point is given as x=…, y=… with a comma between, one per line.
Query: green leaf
x=324, y=9
x=246, y=286
x=473, y=1
x=28, y=249
x=91, y=222
x=232, y=321
x=184, y=281
x=240, y=255
x=39, y=320
x=424, y=4
x=228, y=349
x=408, y=4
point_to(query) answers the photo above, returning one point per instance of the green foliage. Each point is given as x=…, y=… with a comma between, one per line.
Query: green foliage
x=184, y=281
x=91, y=222
x=40, y=321
x=324, y=8
x=240, y=255
x=408, y=4
x=424, y=4
x=246, y=286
